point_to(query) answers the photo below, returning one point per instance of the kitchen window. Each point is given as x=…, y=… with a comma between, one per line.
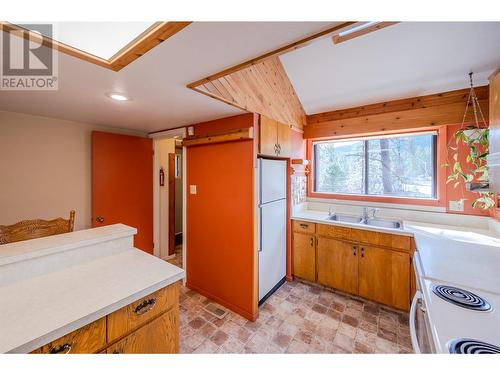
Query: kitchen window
x=392, y=166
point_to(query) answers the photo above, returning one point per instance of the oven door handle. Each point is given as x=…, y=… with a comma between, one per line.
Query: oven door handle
x=413, y=316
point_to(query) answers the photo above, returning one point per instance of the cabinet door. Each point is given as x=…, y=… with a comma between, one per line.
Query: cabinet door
x=284, y=140
x=304, y=256
x=384, y=276
x=160, y=336
x=337, y=264
x=268, y=136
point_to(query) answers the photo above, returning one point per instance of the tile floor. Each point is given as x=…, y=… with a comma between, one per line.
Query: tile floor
x=298, y=318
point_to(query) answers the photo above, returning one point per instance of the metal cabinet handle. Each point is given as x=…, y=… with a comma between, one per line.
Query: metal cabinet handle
x=362, y=252
x=99, y=219
x=305, y=226
x=145, y=306
x=61, y=349
x=354, y=248
x=117, y=351
x=312, y=241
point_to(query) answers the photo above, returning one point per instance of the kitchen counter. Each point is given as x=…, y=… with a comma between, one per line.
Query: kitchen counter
x=320, y=217
x=54, y=285
x=408, y=229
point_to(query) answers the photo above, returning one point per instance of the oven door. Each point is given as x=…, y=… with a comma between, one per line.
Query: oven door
x=419, y=326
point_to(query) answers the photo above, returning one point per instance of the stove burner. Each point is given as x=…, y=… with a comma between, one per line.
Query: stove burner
x=470, y=346
x=460, y=297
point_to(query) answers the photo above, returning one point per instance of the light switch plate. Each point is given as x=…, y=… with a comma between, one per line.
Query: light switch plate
x=192, y=189
x=457, y=205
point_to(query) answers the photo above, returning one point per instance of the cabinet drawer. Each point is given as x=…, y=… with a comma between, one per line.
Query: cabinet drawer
x=304, y=227
x=334, y=231
x=383, y=239
x=161, y=335
x=88, y=339
x=125, y=320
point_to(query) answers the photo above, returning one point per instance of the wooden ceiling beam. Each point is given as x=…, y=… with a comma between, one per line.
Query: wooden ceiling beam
x=337, y=38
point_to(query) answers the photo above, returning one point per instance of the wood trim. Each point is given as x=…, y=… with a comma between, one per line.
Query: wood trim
x=171, y=203
x=276, y=52
x=154, y=35
x=449, y=97
x=239, y=135
x=377, y=26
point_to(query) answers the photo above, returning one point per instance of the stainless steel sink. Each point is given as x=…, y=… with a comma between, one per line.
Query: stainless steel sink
x=346, y=218
x=392, y=224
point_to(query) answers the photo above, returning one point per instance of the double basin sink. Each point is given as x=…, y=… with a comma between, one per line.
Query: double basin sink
x=373, y=222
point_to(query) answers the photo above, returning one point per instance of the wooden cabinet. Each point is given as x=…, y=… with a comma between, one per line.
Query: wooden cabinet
x=304, y=256
x=158, y=336
x=88, y=339
x=149, y=325
x=129, y=317
x=275, y=138
x=337, y=264
x=384, y=276
x=374, y=265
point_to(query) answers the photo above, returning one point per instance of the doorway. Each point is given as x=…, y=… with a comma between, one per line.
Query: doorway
x=168, y=196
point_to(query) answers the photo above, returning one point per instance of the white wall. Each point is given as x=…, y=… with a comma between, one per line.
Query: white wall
x=45, y=168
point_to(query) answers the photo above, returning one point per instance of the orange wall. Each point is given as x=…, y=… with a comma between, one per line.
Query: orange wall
x=220, y=255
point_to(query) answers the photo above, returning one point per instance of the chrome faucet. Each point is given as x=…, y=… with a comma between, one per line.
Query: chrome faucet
x=367, y=212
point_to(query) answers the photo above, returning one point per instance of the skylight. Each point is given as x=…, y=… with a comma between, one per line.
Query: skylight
x=101, y=39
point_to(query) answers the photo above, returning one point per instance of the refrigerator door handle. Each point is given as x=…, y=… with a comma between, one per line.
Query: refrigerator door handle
x=260, y=228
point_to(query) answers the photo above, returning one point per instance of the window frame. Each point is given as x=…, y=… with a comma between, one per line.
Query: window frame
x=440, y=172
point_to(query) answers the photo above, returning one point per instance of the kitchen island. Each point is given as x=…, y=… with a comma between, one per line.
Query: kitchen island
x=88, y=291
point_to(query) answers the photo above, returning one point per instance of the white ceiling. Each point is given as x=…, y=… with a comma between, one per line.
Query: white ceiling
x=400, y=61
x=404, y=60
x=157, y=81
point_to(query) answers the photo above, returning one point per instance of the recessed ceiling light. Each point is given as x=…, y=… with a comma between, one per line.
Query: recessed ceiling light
x=118, y=96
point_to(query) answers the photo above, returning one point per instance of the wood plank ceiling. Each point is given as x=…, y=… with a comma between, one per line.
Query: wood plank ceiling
x=263, y=88
x=392, y=116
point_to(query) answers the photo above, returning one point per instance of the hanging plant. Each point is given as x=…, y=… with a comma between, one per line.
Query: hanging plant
x=475, y=138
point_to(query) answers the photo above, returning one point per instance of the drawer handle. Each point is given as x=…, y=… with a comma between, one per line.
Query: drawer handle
x=354, y=248
x=362, y=252
x=305, y=226
x=61, y=349
x=145, y=306
x=312, y=241
x=117, y=351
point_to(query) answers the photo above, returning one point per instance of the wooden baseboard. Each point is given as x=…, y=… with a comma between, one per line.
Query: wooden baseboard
x=229, y=305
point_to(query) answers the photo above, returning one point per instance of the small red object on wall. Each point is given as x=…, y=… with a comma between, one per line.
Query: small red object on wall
x=162, y=177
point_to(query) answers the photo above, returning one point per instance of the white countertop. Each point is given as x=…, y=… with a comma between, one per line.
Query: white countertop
x=408, y=229
x=320, y=217
x=54, y=295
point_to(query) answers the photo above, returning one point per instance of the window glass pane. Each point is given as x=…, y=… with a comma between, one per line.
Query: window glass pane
x=339, y=167
x=402, y=166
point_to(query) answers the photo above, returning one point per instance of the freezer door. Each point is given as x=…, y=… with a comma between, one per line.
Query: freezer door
x=272, y=180
x=272, y=255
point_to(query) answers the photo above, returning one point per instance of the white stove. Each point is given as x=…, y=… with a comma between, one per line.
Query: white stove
x=457, y=305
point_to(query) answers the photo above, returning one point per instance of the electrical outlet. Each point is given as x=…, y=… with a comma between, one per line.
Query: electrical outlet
x=457, y=205
x=192, y=189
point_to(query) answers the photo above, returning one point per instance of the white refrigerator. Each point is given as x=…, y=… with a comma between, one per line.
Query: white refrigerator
x=272, y=234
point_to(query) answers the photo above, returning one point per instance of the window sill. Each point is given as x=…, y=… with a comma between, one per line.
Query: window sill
x=435, y=202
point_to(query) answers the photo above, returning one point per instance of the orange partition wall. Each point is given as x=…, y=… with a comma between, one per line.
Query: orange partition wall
x=220, y=254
